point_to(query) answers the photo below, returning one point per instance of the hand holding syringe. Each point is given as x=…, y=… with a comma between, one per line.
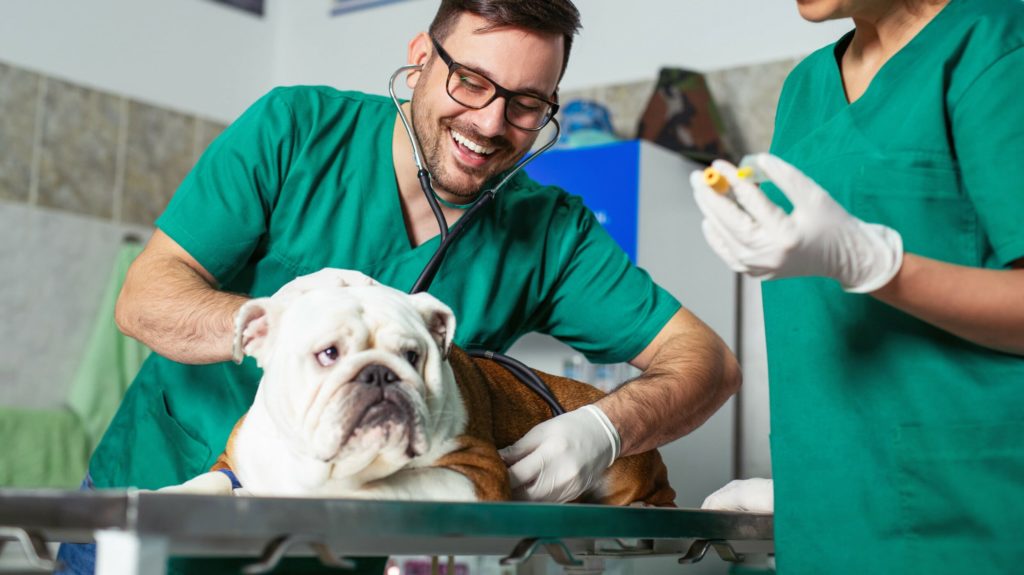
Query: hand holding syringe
x=747, y=171
x=818, y=237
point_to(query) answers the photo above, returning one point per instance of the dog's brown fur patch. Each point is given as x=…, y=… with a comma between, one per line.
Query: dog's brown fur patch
x=502, y=409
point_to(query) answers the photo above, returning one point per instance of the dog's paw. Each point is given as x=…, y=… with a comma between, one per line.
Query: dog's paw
x=751, y=495
x=212, y=483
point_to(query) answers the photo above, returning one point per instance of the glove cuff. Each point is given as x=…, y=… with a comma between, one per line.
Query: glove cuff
x=886, y=258
x=609, y=429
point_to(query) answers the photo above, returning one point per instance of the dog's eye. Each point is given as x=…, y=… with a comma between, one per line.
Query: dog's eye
x=412, y=356
x=327, y=356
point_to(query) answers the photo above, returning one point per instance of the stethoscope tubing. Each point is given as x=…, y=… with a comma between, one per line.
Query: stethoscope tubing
x=448, y=237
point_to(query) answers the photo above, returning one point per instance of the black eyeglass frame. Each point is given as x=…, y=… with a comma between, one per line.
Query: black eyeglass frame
x=499, y=91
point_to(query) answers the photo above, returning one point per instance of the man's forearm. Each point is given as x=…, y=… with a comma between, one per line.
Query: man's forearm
x=172, y=309
x=689, y=377
x=983, y=306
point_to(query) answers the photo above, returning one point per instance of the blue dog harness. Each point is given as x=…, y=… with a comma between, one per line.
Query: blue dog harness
x=235, y=483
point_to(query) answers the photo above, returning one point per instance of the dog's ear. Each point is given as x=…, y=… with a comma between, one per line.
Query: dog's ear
x=439, y=319
x=253, y=328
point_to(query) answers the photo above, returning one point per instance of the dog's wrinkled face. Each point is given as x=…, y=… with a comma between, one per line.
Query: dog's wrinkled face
x=356, y=376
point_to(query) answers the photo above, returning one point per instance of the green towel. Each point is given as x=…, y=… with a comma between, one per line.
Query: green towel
x=51, y=447
x=42, y=448
x=110, y=361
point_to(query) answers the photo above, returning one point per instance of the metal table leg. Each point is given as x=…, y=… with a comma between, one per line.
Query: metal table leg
x=32, y=544
x=591, y=566
x=127, y=553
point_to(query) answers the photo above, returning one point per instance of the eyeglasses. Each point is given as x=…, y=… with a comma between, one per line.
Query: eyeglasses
x=474, y=90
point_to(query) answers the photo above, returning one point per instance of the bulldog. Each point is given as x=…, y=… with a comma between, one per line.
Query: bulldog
x=364, y=396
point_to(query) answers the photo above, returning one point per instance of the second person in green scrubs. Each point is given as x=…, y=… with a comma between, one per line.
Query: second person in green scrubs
x=895, y=351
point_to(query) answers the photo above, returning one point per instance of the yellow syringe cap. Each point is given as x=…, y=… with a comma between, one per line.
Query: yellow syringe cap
x=715, y=180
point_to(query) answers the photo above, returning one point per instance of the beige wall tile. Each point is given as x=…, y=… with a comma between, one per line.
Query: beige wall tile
x=78, y=149
x=160, y=152
x=19, y=91
x=746, y=98
x=626, y=103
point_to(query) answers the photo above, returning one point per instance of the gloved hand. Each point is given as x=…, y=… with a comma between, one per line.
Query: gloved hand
x=327, y=277
x=561, y=458
x=753, y=495
x=819, y=238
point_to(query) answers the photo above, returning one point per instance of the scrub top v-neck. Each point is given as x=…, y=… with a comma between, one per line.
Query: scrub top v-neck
x=896, y=446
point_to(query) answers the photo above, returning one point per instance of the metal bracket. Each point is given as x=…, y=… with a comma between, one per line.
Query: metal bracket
x=641, y=547
x=555, y=547
x=278, y=546
x=700, y=548
x=33, y=544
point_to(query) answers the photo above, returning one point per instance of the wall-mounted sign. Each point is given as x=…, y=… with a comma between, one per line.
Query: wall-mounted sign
x=339, y=7
x=254, y=6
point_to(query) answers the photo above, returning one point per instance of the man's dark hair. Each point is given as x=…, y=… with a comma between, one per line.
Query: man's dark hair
x=544, y=16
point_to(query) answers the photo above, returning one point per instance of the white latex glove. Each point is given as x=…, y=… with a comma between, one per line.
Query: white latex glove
x=327, y=277
x=819, y=238
x=753, y=495
x=561, y=458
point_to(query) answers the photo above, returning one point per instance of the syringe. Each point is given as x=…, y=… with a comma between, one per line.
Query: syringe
x=747, y=170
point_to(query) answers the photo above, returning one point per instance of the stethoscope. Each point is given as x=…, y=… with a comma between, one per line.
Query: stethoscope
x=448, y=237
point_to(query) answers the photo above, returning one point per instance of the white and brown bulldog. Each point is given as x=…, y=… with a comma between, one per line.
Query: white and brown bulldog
x=364, y=396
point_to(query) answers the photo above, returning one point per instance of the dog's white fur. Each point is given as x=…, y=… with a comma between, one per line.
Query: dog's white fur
x=317, y=430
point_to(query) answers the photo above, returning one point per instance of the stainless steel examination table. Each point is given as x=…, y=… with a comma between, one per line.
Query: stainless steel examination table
x=135, y=531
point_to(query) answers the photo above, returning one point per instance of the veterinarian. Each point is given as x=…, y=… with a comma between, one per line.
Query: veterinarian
x=895, y=360
x=311, y=177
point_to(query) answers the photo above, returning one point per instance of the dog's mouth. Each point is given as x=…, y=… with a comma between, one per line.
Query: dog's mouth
x=388, y=411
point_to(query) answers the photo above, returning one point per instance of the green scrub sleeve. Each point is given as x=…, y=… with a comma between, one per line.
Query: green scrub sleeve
x=601, y=304
x=221, y=210
x=988, y=133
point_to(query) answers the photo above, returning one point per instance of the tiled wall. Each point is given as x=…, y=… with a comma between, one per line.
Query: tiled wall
x=88, y=152
x=79, y=170
x=75, y=149
x=745, y=97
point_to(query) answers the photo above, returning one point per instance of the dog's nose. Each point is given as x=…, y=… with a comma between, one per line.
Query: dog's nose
x=378, y=375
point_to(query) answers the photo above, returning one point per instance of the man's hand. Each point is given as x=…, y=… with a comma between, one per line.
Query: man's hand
x=752, y=495
x=561, y=458
x=171, y=303
x=819, y=238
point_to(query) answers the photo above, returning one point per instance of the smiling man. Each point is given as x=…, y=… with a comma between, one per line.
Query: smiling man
x=487, y=138
x=312, y=177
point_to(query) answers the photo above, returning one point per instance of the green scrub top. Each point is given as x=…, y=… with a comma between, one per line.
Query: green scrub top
x=305, y=180
x=898, y=447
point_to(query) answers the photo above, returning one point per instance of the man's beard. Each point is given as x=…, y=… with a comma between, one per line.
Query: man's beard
x=432, y=139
